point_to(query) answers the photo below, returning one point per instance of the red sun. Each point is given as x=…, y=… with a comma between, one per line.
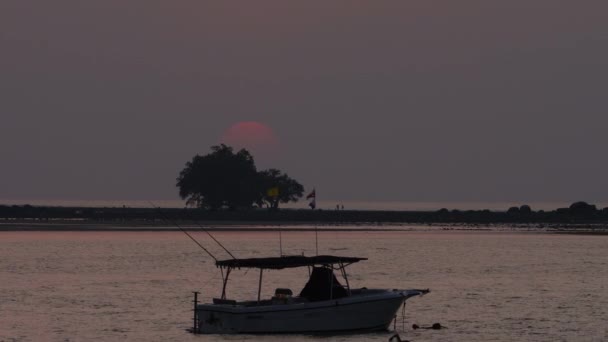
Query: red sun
x=257, y=138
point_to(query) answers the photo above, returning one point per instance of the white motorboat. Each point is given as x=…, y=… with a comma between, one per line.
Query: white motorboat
x=324, y=305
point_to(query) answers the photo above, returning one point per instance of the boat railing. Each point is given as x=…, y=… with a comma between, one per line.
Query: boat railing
x=263, y=302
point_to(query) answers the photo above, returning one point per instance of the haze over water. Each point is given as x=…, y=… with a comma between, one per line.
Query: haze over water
x=112, y=286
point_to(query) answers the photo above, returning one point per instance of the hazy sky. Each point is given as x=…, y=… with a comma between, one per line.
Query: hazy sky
x=370, y=100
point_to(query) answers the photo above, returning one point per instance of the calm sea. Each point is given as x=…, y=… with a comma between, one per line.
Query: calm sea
x=125, y=286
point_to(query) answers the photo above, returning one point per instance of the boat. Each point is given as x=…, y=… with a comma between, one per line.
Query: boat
x=323, y=306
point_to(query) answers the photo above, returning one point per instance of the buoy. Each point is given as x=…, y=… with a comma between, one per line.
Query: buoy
x=435, y=326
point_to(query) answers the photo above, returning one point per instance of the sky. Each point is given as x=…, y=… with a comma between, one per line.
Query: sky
x=369, y=100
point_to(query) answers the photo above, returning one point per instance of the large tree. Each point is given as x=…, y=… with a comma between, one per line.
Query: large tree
x=224, y=178
x=276, y=187
x=219, y=179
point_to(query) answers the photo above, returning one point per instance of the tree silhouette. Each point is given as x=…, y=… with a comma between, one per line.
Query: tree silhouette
x=224, y=179
x=219, y=179
x=289, y=190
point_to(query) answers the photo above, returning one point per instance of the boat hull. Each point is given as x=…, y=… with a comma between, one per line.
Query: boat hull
x=361, y=313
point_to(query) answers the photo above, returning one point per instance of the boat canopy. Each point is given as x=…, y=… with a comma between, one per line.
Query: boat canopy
x=278, y=263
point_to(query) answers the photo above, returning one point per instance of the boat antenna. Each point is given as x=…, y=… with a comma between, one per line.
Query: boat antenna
x=313, y=205
x=280, y=243
x=316, y=239
x=214, y=239
x=164, y=217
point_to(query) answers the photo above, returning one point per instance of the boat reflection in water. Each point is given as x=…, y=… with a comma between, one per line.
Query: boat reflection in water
x=324, y=305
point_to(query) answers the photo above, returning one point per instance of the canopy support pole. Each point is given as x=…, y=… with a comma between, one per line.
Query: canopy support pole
x=260, y=285
x=225, y=283
x=343, y=269
x=331, y=283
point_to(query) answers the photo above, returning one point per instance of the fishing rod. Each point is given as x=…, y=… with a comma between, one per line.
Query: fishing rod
x=214, y=239
x=183, y=230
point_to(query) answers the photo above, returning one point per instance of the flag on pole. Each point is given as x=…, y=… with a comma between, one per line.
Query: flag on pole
x=313, y=195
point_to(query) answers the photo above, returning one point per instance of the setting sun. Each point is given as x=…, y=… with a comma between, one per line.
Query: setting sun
x=256, y=137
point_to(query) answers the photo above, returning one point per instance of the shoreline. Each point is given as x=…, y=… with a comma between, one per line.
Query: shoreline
x=240, y=226
x=579, y=218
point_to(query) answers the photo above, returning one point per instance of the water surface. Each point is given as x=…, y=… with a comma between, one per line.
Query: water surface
x=136, y=286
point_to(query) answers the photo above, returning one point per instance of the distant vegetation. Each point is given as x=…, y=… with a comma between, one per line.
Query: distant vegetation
x=579, y=213
x=225, y=179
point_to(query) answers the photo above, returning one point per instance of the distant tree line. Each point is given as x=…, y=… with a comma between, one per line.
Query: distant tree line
x=578, y=213
x=228, y=179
